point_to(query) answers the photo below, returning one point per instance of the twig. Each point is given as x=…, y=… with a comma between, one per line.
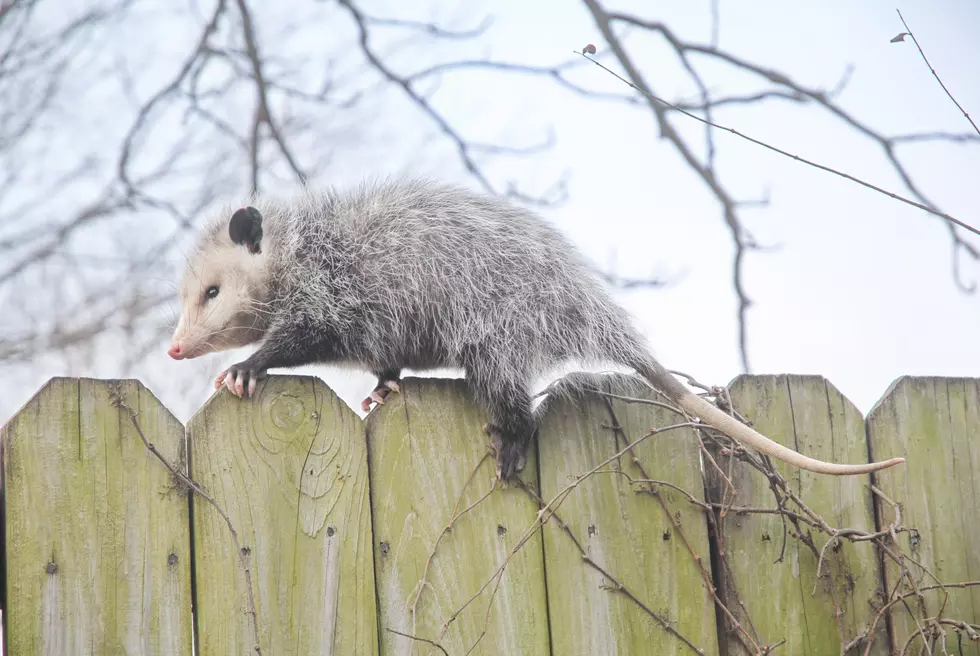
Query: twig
x=933, y=70
x=617, y=585
x=706, y=577
x=545, y=513
x=425, y=640
x=951, y=219
x=264, y=111
x=455, y=515
x=729, y=207
x=360, y=20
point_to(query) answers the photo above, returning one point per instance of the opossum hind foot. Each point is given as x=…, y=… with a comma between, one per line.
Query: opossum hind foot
x=510, y=453
x=380, y=393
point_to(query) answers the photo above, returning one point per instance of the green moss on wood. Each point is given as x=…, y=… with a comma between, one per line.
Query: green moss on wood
x=811, y=416
x=289, y=467
x=425, y=444
x=97, y=533
x=624, y=529
x=935, y=424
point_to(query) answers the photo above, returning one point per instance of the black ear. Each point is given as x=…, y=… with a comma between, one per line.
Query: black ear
x=245, y=229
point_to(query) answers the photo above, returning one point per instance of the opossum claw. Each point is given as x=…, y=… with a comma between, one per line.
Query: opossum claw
x=240, y=379
x=379, y=393
x=511, y=457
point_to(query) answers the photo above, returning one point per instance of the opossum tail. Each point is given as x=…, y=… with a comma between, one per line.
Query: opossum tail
x=664, y=381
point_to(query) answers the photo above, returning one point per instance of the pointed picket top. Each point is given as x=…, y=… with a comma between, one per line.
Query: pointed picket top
x=613, y=525
x=289, y=468
x=933, y=422
x=777, y=582
x=269, y=388
x=429, y=460
x=109, y=564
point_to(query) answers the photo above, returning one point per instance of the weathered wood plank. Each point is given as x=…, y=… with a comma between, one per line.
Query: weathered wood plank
x=624, y=529
x=810, y=415
x=425, y=443
x=289, y=467
x=935, y=424
x=97, y=532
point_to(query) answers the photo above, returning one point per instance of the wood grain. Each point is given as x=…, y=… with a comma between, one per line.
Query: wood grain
x=289, y=467
x=97, y=541
x=425, y=444
x=811, y=416
x=935, y=424
x=624, y=529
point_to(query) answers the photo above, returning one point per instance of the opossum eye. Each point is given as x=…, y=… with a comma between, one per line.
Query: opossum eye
x=211, y=292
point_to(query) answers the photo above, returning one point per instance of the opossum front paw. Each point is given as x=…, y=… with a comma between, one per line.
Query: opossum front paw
x=511, y=455
x=379, y=394
x=240, y=379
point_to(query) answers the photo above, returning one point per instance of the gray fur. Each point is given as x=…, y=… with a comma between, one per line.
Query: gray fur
x=415, y=274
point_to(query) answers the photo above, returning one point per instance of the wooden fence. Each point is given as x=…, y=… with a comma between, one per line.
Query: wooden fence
x=314, y=532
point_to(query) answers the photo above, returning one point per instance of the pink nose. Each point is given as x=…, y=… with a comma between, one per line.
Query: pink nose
x=174, y=352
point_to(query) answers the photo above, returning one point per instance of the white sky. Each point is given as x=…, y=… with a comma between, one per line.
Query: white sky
x=860, y=289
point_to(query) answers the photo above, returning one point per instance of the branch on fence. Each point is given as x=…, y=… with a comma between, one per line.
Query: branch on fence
x=805, y=522
x=546, y=512
x=454, y=516
x=706, y=577
x=418, y=639
x=617, y=585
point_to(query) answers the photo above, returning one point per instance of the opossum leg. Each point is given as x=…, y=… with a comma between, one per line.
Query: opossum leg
x=287, y=346
x=511, y=424
x=510, y=450
x=387, y=382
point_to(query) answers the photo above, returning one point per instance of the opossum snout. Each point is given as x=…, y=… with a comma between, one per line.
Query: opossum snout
x=181, y=349
x=178, y=342
x=175, y=352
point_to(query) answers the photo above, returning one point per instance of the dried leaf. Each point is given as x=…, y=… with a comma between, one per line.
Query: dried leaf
x=589, y=49
x=899, y=37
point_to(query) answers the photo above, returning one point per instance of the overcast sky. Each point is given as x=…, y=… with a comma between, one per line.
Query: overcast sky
x=858, y=287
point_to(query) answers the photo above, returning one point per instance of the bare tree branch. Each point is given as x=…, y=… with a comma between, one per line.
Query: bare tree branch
x=729, y=207
x=263, y=113
x=183, y=138
x=847, y=176
x=908, y=31
x=786, y=89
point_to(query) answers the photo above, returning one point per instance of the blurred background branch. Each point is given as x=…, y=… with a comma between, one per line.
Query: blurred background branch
x=123, y=123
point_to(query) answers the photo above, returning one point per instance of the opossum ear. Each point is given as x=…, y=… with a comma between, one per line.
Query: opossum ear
x=245, y=229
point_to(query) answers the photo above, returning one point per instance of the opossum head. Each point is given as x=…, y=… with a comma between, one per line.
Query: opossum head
x=224, y=288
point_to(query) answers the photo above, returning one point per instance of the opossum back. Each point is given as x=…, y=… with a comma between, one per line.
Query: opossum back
x=428, y=262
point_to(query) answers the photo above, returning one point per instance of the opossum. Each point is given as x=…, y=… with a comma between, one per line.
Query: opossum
x=420, y=274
